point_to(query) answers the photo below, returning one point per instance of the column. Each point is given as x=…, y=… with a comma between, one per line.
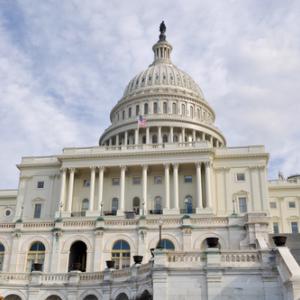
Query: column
x=71, y=189
x=159, y=135
x=167, y=186
x=199, y=187
x=63, y=188
x=171, y=139
x=208, y=184
x=183, y=135
x=126, y=138
x=117, y=140
x=147, y=135
x=175, y=179
x=100, y=185
x=92, y=189
x=122, y=191
x=110, y=142
x=194, y=135
x=145, y=206
x=136, y=138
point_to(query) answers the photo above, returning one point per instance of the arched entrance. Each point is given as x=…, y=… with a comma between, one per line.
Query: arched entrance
x=122, y=296
x=12, y=297
x=146, y=296
x=2, y=251
x=53, y=297
x=77, y=257
x=36, y=255
x=90, y=297
x=121, y=254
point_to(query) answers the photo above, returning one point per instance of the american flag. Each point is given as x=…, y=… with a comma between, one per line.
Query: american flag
x=142, y=122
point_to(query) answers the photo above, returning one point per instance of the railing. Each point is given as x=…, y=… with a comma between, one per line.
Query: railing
x=232, y=258
x=185, y=257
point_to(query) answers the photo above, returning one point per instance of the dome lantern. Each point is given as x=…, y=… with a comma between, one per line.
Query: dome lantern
x=162, y=49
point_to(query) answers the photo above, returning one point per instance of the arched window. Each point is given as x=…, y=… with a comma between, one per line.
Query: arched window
x=12, y=297
x=85, y=204
x=157, y=205
x=198, y=113
x=174, y=108
x=165, y=107
x=154, y=139
x=146, y=296
x=2, y=251
x=188, y=204
x=165, y=138
x=155, y=108
x=121, y=254
x=146, y=109
x=53, y=297
x=166, y=244
x=36, y=255
x=137, y=110
x=136, y=205
x=77, y=257
x=123, y=114
x=175, y=138
x=129, y=112
x=183, y=109
x=114, y=205
x=192, y=112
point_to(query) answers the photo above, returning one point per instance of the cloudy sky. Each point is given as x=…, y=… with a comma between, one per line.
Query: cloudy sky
x=65, y=63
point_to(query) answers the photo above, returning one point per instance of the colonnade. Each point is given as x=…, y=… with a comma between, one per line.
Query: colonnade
x=174, y=134
x=66, y=198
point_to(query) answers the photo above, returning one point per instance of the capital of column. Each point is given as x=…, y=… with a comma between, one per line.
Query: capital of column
x=198, y=164
x=92, y=168
x=101, y=168
x=145, y=167
x=208, y=164
x=167, y=166
x=175, y=166
x=72, y=170
x=123, y=168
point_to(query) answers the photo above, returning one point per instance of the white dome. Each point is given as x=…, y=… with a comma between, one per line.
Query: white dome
x=162, y=74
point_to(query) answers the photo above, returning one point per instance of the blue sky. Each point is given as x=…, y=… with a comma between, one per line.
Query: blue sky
x=65, y=63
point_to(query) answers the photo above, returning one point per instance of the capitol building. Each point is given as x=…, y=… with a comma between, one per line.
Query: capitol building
x=162, y=209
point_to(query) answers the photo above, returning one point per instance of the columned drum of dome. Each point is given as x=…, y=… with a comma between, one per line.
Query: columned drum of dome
x=171, y=102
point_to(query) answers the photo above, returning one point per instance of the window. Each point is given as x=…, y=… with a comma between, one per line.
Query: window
x=240, y=177
x=36, y=254
x=273, y=205
x=146, y=109
x=37, y=210
x=154, y=139
x=275, y=228
x=7, y=212
x=165, y=138
x=116, y=181
x=136, y=205
x=294, y=226
x=137, y=110
x=174, y=108
x=166, y=244
x=2, y=251
x=292, y=204
x=188, y=203
x=144, y=139
x=155, y=110
x=192, y=112
x=114, y=205
x=165, y=107
x=129, y=112
x=40, y=184
x=136, y=180
x=175, y=138
x=157, y=179
x=183, y=109
x=242, y=204
x=123, y=114
x=188, y=179
x=86, y=183
x=157, y=205
x=198, y=113
x=121, y=254
x=85, y=205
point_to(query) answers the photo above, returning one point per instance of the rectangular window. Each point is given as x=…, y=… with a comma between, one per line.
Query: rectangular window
x=292, y=204
x=273, y=205
x=188, y=179
x=294, y=226
x=242, y=204
x=275, y=228
x=40, y=184
x=129, y=112
x=137, y=110
x=240, y=176
x=86, y=183
x=136, y=180
x=157, y=179
x=116, y=181
x=37, y=210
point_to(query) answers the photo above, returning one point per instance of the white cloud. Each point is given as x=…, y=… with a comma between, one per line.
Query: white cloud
x=63, y=64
